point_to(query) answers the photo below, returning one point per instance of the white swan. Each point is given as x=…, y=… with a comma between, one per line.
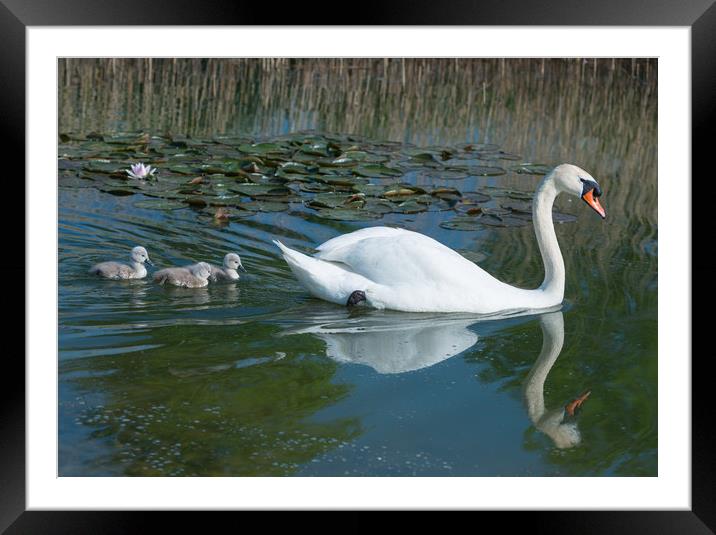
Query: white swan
x=115, y=270
x=402, y=270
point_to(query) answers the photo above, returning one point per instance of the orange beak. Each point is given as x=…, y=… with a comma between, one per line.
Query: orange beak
x=575, y=404
x=592, y=201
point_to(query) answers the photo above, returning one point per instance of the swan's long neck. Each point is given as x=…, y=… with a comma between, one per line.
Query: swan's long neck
x=546, y=238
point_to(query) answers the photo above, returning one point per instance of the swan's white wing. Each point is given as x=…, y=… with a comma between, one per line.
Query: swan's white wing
x=395, y=256
x=353, y=237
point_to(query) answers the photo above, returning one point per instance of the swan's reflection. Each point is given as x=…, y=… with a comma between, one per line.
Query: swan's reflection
x=398, y=342
x=552, y=422
x=393, y=342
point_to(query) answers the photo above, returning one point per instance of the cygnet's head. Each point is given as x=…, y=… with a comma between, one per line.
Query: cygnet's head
x=576, y=181
x=201, y=270
x=140, y=255
x=232, y=261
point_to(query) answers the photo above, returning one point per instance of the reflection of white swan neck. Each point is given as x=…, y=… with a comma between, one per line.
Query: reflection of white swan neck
x=550, y=422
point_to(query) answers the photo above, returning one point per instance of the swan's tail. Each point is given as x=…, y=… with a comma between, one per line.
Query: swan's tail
x=294, y=258
x=324, y=280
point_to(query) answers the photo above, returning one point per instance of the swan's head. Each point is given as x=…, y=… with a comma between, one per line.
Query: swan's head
x=576, y=181
x=232, y=261
x=201, y=270
x=140, y=255
x=564, y=434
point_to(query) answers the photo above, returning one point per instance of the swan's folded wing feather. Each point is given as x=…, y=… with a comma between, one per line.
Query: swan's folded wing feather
x=404, y=258
x=352, y=238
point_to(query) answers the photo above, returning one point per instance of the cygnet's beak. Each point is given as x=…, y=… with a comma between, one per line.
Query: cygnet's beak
x=149, y=262
x=593, y=201
x=242, y=268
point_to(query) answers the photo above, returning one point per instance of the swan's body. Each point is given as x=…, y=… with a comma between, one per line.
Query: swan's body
x=403, y=270
x=227, y=272
x=194, y=276
x=116, y=270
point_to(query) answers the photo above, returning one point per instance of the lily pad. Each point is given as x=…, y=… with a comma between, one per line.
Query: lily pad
x=263, y=206
x=496, y=211
x=296, y=167
x=479, y=147
x=467, y=223
x=349, y=158
x=411, y=207
x=484, y=170
x=159, y=204
x=224, y=200
x=423, y=157
x=74, y=181
x=402, y=192
x=531, y=169
x=127, y=139
x=346, y=214
x=183, y=169
x=370, y=190
x=377, y=171
x=435, y=204
x=378, y=206
x=342, y=180
x=262, y=148
x=195, y=200
x=499, y=155
x=231, y=168
x=254, y=190
x=334, y=200
x=451, y=194
x=119, y=192
x=503, y=221
x=63, y=165
x=320, y=149
x=99, y=166
x=476, y=196
x=232, y=140
x=315, y=187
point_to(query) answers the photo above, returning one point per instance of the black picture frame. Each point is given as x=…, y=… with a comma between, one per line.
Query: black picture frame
x=699, y=15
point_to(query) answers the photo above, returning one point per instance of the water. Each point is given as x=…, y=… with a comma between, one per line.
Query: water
x=258, y=378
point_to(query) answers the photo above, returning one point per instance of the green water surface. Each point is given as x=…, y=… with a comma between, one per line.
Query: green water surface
x=258, y=378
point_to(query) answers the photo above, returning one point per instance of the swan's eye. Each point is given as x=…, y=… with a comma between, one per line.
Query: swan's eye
x=589, y=185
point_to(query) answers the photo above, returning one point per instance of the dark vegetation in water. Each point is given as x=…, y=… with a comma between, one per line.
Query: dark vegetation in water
x=342, y=177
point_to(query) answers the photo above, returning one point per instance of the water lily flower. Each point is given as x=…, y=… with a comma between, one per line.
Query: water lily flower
x=141, y=171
